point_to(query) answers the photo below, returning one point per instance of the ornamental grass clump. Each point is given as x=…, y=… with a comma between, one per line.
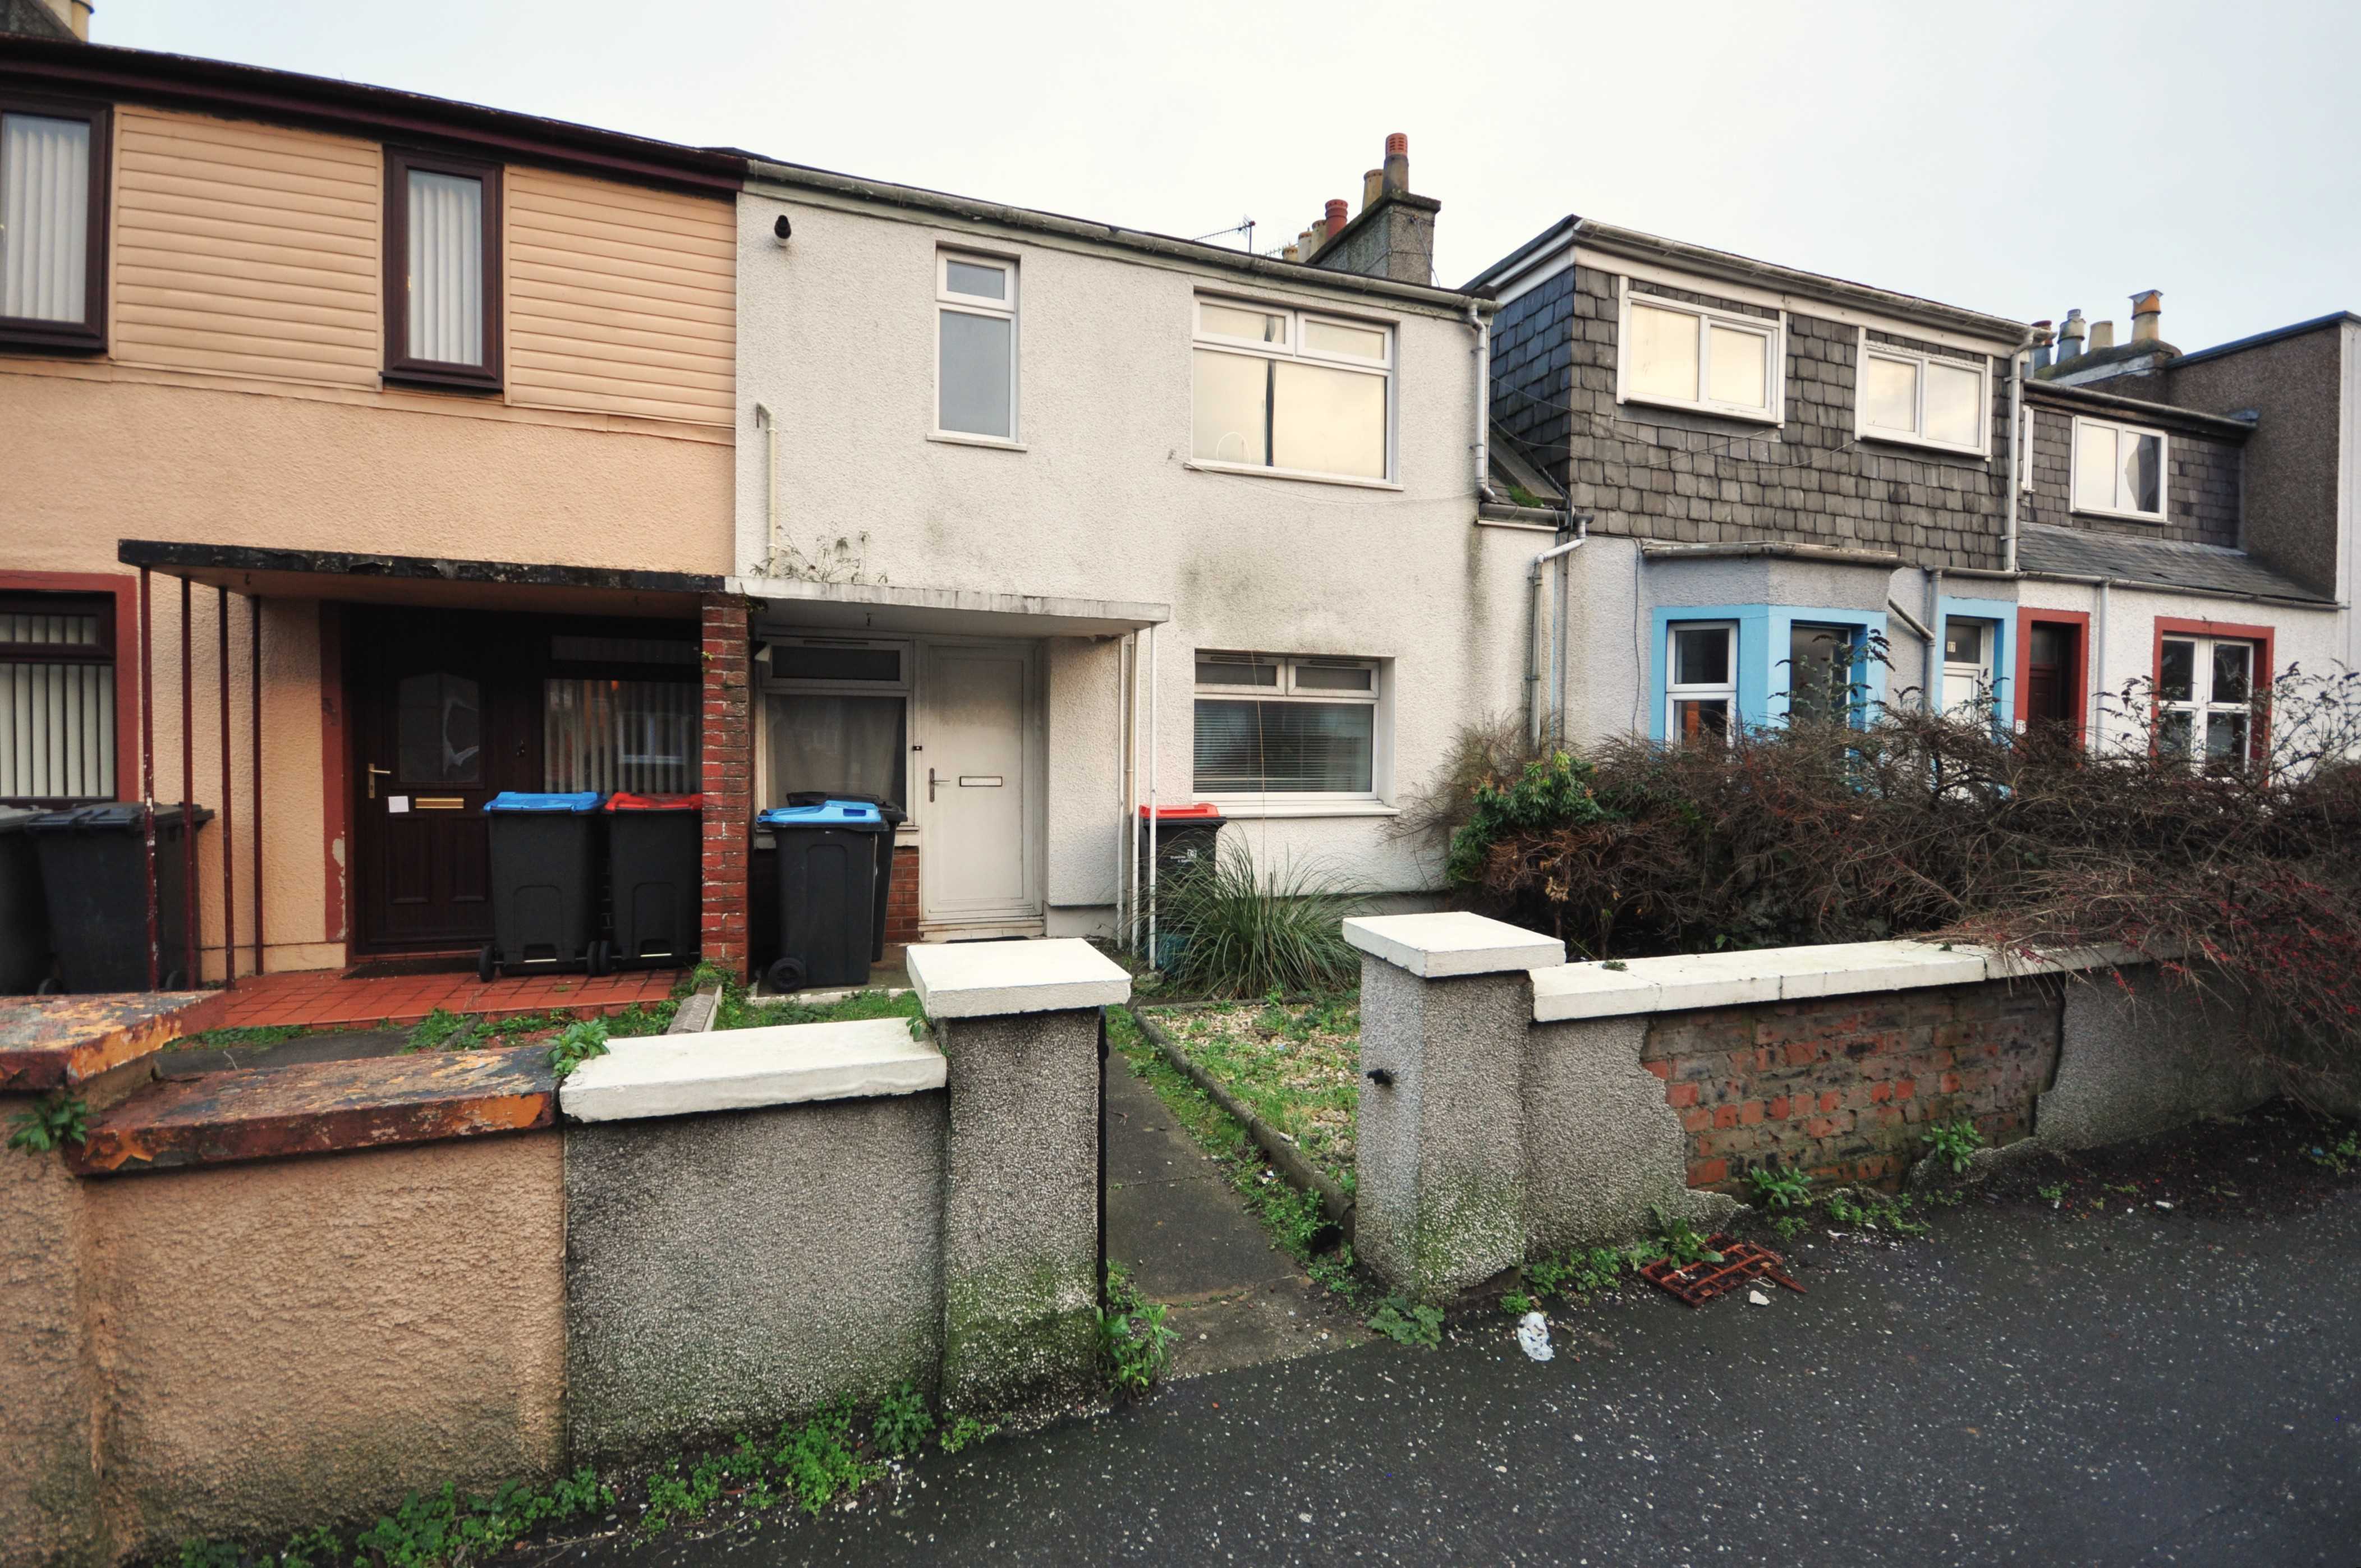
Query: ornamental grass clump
x=1246, y=929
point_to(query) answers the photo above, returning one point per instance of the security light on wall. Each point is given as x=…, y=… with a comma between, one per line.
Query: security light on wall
x=782, y=228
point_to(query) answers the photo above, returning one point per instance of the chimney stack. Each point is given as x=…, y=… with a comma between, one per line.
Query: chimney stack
x=1394, y=235
x=2103, y=335
x=2042, y=338
x=2148, y=316
x=2070, y=335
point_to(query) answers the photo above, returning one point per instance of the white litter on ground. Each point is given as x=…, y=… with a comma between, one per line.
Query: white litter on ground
x=1759, y=1299
x=1532, y=1337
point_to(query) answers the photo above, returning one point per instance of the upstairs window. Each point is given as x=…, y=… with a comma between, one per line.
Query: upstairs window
x=2119, y=470
x=975, y=347
x=52, y=225
x=442, y=272
x=1694, y=358
x=1295, y=726
x=1290, y=391
x=1922, y=399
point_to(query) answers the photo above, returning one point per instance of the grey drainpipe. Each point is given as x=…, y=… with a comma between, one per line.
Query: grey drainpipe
x=1565, y=547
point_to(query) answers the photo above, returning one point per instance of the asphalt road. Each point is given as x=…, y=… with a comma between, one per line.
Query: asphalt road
x=2141, y=1388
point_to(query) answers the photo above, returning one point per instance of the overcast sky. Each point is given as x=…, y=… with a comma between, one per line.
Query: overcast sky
x=2013, y=158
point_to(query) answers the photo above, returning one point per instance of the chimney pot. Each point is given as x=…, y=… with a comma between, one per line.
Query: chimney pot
x=2103, y=335
x=1291, y=253
x=1373, y=185
x=1397, y=169
x=2148, y=316
x=2070, y=335
x=1336, y=211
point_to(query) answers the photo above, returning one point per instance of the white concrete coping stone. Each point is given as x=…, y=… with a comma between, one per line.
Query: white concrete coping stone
x=1686, y=981
x=744, y=1070
x=1452, y=942
x=989, y=979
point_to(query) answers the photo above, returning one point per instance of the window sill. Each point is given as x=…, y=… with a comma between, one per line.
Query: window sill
x=2154, y=519
x=1264, y=808
x=440, y=381
x=1895, y=438
x=954, y=438
x=1255, y=471
x=1708, y=411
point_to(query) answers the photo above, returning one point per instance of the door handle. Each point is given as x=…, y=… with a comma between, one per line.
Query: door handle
x=375, y=772
x=930, y=786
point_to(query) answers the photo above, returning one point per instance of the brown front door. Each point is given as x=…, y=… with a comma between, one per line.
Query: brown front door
x=442, y=723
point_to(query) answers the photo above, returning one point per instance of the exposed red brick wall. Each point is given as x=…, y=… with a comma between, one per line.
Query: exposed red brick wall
x=1845, y=1088
x=726, y=773
x=902, y=896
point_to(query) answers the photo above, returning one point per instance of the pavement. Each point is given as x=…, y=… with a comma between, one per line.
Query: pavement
x=1235, y=1300
x=2137, y=1387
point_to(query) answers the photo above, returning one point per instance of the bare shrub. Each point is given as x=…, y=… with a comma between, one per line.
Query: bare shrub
x=2238, y=874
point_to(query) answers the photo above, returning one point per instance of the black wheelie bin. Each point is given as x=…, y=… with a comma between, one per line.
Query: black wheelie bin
x=829, y=895
x=544, y=856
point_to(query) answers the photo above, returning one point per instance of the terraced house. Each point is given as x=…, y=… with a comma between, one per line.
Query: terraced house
x=1801, y=489
x=403, y=428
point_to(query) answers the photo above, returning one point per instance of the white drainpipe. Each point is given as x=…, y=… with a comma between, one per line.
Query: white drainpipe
x=1483, y=327
x=1152, y=641
x=768, y=422
x=2015, y=417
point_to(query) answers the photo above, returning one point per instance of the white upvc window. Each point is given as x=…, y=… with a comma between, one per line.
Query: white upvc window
x=1299, y=726
x=1693, y=356
x=2119, y=469
x=1700, y=682
x=1925, y=399
x=975, y=347
x=2205, y=696
x=1290, y=391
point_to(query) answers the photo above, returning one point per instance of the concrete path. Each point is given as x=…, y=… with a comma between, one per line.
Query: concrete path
x=2136, y=1388
x=1172, y=1216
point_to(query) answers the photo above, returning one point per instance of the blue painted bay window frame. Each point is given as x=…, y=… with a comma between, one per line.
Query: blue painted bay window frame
x=1764, y=631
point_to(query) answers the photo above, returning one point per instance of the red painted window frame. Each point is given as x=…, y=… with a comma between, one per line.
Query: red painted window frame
x=125, y=590
x=2266, y=671
x=2078, y=716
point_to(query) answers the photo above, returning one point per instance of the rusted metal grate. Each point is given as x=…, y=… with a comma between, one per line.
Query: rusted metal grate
x=1697, y=1283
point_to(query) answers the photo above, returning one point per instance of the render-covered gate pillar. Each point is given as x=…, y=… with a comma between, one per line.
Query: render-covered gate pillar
x=1446, y=1003
x=1020, y=1024
x=726, y=775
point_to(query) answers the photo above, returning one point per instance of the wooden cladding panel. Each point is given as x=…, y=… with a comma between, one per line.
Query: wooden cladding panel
x=619, y=299
x=246, y=250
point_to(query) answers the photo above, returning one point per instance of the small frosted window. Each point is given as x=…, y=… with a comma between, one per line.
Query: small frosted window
x=975, y=373
x=1954, y=404
x=1664, y=354
x=1739, y=362
x=446, y=268
x=1890, y=394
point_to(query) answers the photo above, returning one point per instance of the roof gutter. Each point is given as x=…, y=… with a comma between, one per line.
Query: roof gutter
x=765, y=178
x=2138, y=585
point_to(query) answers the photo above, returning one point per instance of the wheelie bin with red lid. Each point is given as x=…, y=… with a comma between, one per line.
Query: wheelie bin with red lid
x=654, y=878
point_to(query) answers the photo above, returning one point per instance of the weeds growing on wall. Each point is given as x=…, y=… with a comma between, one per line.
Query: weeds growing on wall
x=52, y=1123
x=1135, y=1342
x=2240, y=873
x=1246, y=928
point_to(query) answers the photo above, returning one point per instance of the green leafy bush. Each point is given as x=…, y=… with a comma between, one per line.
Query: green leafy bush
x=1954, y=1142
x=1778, y=1188
x=583, y=1039
x=903, y=1421
x=1548, y=793
x=1246, y=929
x=1135, y=1342
x=1408, y=1323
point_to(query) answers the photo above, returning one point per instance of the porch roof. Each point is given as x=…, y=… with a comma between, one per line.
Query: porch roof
x=878, y=607
x=441, y=582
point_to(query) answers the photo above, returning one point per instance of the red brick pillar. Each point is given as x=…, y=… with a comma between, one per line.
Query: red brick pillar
x=726, y=773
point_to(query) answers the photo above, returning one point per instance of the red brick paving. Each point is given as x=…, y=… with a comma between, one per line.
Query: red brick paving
x=319, y=997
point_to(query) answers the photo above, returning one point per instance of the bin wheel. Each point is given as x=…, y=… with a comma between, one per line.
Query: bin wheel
x=49, y=988
x=488, y=967
x=174, y=980
x=785, y=975
x=601, y=959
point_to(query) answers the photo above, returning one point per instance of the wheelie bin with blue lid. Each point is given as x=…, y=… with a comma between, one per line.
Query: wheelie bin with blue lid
x=544, y=855
x=894, y=817
x=828, y=858
x=23, y=916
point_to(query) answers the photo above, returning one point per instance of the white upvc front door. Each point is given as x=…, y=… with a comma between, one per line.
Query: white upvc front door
x=972, y=780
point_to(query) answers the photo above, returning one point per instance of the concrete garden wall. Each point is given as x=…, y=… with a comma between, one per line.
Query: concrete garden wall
x=694, y=1234
x=1650, y=1089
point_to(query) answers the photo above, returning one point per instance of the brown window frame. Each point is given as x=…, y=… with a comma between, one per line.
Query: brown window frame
x=88, y=334
x=106, y=650
x=400, y=367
